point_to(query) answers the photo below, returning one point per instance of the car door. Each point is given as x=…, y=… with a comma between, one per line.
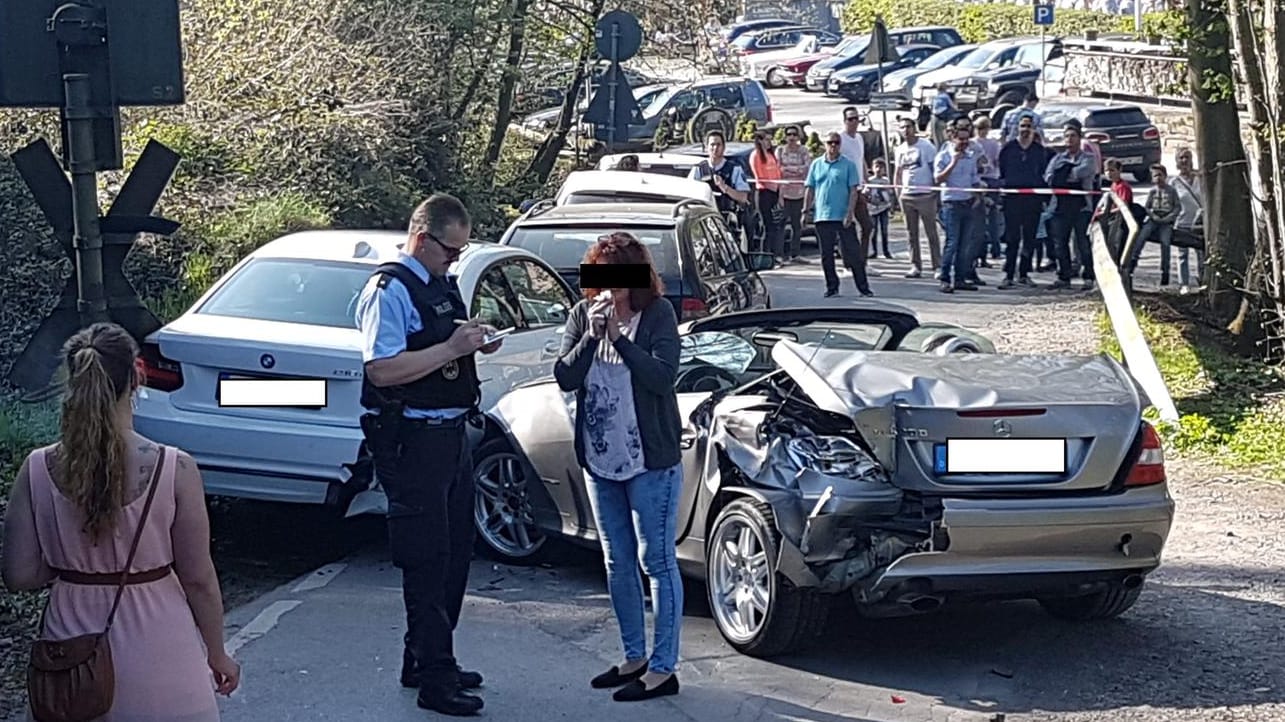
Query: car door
x=520, y=356
x=743, y=283
x=544, y=301
x=707, y=266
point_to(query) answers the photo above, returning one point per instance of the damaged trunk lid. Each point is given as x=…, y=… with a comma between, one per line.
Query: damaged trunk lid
x=972, y=423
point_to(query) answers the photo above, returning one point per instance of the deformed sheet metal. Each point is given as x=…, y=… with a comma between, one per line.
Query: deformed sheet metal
x=845, y=381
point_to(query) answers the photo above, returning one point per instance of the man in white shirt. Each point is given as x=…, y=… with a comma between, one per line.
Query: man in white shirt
x=853, y=147
x=913, y=171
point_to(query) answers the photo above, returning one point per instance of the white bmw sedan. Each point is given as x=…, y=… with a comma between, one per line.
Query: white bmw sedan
x=260, y=379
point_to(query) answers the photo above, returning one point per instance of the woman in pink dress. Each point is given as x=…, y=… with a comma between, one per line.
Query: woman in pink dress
x=73, y=512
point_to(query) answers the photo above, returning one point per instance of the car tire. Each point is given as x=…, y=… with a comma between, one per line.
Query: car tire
x=1105, y=604
x=500, y=478
x=790, y=618
x=773, y=78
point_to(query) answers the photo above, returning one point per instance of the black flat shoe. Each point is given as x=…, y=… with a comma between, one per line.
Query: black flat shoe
x=636, y=691
x=613, y=677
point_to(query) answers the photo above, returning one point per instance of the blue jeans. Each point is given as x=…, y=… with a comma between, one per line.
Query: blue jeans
x=957, y=216
x=637, y=521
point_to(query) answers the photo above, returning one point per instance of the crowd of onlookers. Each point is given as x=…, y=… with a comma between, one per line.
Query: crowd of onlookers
x=970, y=184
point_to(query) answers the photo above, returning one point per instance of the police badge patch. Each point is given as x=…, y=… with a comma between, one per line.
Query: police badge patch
x=451, y=370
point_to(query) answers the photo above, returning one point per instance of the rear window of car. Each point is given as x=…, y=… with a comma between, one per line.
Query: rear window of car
x=565, y=247
x=292, y=290
x=583, y=197
x=1116, y=117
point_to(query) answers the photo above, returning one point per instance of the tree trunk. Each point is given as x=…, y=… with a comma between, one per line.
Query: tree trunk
x=546, y=157
x=504, y=103
x=1220, y=153
x=1258, y=57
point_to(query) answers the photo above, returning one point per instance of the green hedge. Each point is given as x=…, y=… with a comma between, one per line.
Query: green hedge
x=980, y=22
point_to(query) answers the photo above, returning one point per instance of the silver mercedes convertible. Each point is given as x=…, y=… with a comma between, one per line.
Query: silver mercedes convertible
x=856, y=453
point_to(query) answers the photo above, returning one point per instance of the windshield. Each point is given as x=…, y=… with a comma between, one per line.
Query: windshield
x=856, y=47
x=978, y=58
x=849, y=43
x=939, y=59
x=292, y=290
x=564, y=248
x=656, y=103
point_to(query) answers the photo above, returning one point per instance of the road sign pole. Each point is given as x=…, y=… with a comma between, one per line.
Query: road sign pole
x=611, y=83
x=87, y=238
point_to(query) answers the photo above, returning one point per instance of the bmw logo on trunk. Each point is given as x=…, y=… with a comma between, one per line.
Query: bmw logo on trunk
x=267, y=361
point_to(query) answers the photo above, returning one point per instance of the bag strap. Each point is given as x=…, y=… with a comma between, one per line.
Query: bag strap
x=138, y=535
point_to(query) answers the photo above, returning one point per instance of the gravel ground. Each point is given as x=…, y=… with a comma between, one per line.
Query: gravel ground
x=1207, y=640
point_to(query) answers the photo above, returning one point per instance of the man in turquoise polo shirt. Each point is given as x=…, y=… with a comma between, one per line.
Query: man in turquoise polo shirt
x=833, y=187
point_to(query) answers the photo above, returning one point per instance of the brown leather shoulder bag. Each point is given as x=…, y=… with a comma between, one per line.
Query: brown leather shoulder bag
x=73, y=680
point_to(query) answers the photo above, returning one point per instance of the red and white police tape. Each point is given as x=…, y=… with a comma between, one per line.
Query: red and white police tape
x=1002, y=191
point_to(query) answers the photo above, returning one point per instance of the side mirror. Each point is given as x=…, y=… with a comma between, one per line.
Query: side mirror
x=760, y=261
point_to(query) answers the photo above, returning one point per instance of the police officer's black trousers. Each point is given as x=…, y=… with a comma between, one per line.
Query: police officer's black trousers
x=430, y=534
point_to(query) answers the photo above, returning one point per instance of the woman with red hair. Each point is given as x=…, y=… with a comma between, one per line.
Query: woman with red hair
x=627, y=441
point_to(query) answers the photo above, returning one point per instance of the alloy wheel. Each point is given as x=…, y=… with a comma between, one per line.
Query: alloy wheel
x=502, y=507
x=741, y=581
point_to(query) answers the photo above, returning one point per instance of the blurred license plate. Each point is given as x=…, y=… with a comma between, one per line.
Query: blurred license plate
x=258, y=392
x=1000, y=456
x=1131, y=160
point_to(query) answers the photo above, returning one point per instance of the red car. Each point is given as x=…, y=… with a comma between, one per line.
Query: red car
x=793, y=71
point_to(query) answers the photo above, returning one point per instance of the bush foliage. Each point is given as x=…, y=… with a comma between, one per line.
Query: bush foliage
x=980, y=22
x=299, y=114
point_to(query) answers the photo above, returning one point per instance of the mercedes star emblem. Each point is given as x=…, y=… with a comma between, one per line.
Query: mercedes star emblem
x=1002, y=428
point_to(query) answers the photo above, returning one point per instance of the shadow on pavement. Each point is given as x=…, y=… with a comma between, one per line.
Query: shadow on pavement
x=1189, y=643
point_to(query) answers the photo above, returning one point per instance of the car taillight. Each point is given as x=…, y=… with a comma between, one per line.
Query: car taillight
x=693, y=308
x=159, y=372
x=1150, y=466
x=1152, y=133
x=769, y=112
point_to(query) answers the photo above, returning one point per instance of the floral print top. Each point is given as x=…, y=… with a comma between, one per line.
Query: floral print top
x=614, y=449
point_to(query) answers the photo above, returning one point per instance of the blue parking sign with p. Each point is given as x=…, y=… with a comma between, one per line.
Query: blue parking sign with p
x=1044, y=14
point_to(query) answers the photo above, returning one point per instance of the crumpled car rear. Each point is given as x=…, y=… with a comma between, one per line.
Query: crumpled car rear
x=847, y=449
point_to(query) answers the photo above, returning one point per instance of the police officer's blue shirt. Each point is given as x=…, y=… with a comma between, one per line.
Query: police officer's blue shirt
x=386, y=316
x=964, y=175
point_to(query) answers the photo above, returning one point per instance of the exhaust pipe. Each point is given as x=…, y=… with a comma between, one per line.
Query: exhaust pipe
x=921, y=602
x=1133, y=581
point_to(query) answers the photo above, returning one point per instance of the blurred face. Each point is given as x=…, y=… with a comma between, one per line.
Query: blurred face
x=963, y=134
x=1158, y=176
x=908, y=131
x=1026, y=130
x=714, y=146
x=851, y=119
x=1184, y=162
x=1113, y=174
x=879, y=168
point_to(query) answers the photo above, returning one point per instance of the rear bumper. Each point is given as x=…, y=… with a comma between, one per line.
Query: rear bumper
x=1026, y=546
x=793, y=78
x=253, y=458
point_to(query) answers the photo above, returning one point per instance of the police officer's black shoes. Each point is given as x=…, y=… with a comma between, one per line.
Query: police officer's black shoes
x=411, y=676
x=451, y=701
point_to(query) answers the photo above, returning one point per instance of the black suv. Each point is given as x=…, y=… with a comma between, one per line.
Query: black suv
x=1011, y=73
x=703, y=270
x=1121, y=130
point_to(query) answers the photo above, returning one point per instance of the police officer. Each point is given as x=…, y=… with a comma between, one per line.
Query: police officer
x=726, y=178
x=420, y=387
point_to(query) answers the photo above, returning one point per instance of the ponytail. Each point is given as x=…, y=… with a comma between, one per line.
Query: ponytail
x=92, y=449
